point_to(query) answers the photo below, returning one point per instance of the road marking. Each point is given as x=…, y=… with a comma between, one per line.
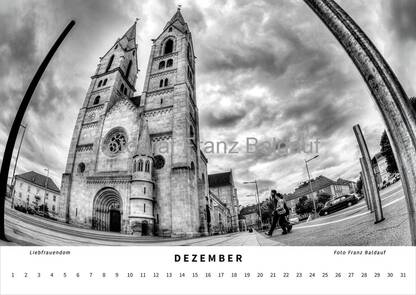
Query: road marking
x=347, y=218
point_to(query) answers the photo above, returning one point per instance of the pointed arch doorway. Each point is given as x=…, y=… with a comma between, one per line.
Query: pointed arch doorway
x=107, y=210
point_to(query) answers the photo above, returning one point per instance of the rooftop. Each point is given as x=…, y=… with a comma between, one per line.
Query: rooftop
x=220, y=179
x=39, y=180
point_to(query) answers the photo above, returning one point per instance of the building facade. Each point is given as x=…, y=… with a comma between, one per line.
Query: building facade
x=220, y=215
x=379, y=163
x=222, y=185
x=320, y=185
x=34, y=190
x=134, y=164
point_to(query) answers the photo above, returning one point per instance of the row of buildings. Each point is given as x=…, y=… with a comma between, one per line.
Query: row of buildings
x=319, y=185
x=35, y=191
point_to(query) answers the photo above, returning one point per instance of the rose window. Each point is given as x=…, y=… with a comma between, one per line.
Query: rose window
x=115, y=142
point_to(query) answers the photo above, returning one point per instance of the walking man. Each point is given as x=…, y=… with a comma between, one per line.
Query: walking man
x=280, y=213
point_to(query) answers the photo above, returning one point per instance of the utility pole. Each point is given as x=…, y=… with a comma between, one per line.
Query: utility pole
x=310, y=184
x=15, y=163
x=258, y=200
x=46, y=189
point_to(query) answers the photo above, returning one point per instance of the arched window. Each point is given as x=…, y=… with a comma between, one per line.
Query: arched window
x=128, y=69
x=134, y=166
x=169, y=63
x=122, y=88
x=161, y=83
x=105, y=82
x=161, y=101
x=147, y=167
x=170, y=29
x=162, y=65
x=134, y=52
x=99, y=83
x=168, y=46
x=97, y=100
x=189, y=54
x=81, y=167
x=166, y=82
x=110, y=63
x=125, y=91
x=191, y=131
x=144, y=190
x=192, y=166
x=140, y=166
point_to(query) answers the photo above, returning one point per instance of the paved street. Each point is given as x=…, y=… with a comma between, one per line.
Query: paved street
x=353, y=226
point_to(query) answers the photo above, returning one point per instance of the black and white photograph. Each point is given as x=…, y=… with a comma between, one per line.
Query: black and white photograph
x=197, y=124
x=208, y=123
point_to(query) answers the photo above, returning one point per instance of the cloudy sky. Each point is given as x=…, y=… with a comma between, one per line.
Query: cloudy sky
x=265, y=69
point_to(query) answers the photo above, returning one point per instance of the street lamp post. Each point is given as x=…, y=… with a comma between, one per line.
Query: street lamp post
x=46, y=189
x=15, y=163
x=310, y=184
x=258, y=200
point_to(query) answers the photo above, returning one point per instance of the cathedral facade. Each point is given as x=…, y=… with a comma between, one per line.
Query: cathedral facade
x=134, y=164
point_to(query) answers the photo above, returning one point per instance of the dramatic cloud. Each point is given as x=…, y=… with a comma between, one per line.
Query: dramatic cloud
x=268, y=70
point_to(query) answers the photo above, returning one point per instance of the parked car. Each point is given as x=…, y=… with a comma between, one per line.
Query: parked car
x=338, y=204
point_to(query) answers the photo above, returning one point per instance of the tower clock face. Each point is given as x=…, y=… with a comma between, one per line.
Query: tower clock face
x=159, y=162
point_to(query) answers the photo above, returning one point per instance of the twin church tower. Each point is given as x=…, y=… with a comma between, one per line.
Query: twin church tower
x=134, y=164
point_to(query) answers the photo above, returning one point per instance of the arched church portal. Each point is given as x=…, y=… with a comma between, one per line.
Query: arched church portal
x=107, y=210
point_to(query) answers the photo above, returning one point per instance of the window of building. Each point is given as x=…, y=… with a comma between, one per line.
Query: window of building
x=189, y=53
x=170, y=29
x=162, y=65
x=115, y=141
x=76, y=211
x=147, y=166
x=53, y=208
x=140, y=166
x=144, y=190
x=81, y=167
x=105, y=82
x=134, y=166
x=128, y=69
x=191, y=132
x=157, y=218
x=110, y=63
x=144, y=207
x=125, y=91
x=159, y=161
x=169, y=63
x=161, y=101
x=166, y=82
x=122, y=88
x=99, y=83
x=97, y=100
x=168, y=46
x=161, y=83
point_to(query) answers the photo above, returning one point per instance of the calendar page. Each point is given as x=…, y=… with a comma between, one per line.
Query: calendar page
x=208, y=270
x=207, y=147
